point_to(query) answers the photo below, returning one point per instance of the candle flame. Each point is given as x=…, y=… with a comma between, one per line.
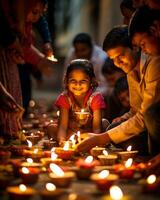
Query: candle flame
x=58, y=113
x=72, y=139
x=89, y=159
x=66, y=146
x=151, y=179
x=105, y=152
x=103, y=174
x=52, y=58
x=116, y=192
x=53, y=149
x=82, y=110
x=25, y=170
x=56, y=169
x=129, y=148
x=128, y=163
x=30, y=160
x=22, y=187
x=29, y=143
x=79, y=136
x=53, y=155
x=50, y=187
x=35, y=151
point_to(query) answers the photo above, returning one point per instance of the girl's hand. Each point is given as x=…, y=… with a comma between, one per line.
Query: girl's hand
x=118, y=119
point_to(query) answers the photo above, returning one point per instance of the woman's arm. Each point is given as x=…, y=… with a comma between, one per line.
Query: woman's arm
x=63, y=124
x=97, y=121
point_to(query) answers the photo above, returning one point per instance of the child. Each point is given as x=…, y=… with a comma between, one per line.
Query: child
x=80, y=84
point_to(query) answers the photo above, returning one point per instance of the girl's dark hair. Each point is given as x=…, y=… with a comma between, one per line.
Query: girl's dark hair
x=83, y=38
x=142, y=20
x=84, y=65
x=118, y=36
x=121, y=85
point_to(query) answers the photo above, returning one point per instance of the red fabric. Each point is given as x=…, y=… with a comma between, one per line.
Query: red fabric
x=96, y=103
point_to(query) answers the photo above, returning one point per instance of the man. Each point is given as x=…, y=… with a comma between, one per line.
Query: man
x=143, y=80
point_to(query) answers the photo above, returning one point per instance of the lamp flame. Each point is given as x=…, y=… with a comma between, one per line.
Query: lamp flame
x=128, y=163
x=35, y=151
x=105, y=152
x=52, y=58
x=25, y=170
x=79, y=135
x=29, y=143
x=151, y=179
x=22, y=187
x=53, y=155
x=103, y=174
x=116, y=192
x=56, y=169
x=50, y=187
x=29, y=160
x=129, y=148
x=66, y=146
x=89, y=159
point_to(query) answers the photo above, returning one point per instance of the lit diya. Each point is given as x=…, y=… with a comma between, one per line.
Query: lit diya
x=65, y=153
x=124, y=155
x=96, y=151
x=29, y=163
x=107, y=159
x=82, y=116
x=151, y=184
x=59, y=177
x=20, y=192
x=104, y=179
x=29, y=175
x=85, y=167
x=53, y=159
x=50, y=192
x=127, y=170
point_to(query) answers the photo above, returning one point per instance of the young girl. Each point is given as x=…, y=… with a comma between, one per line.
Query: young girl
x=80, y=85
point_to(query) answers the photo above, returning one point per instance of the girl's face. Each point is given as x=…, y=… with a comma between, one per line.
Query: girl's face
x=78, y=83
x=35, y=13
x=148, y=43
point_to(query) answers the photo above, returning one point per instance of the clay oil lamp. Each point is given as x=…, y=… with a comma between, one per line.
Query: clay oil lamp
x=29, y=163
x=104, y=180
x=85, y=167
x=82, y=116
x=151, y=184
x=20, y=192
x=29, y=175
x=96, y=151
x=107, y=159
x=127, y=170
x=53, y=159
x=50, y=192
x=66, y=152
x=59, y=177
x=124, y=155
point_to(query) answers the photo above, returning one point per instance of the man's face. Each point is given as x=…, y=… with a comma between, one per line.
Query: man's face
x=82, y=50
x=123, y=57
x=148, y=43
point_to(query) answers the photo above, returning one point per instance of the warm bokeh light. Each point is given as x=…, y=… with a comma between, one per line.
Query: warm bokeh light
x=105, y=152
x=116, y=193
x=66, y=146
x=22, y=187
x=25, y=170
x=29, y=160
x=52, y=58
x=50, y=187
x=29, y=143
x=35, y=151
x=103, y=174
x=151, y=179
x=129, y=148
x=53, y=156
x=56, y=169
x=128, y=163
x=89, y=159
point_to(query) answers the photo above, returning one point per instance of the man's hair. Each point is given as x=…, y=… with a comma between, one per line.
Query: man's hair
x=142, y=20
x=83, y=38
x=118, y=36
